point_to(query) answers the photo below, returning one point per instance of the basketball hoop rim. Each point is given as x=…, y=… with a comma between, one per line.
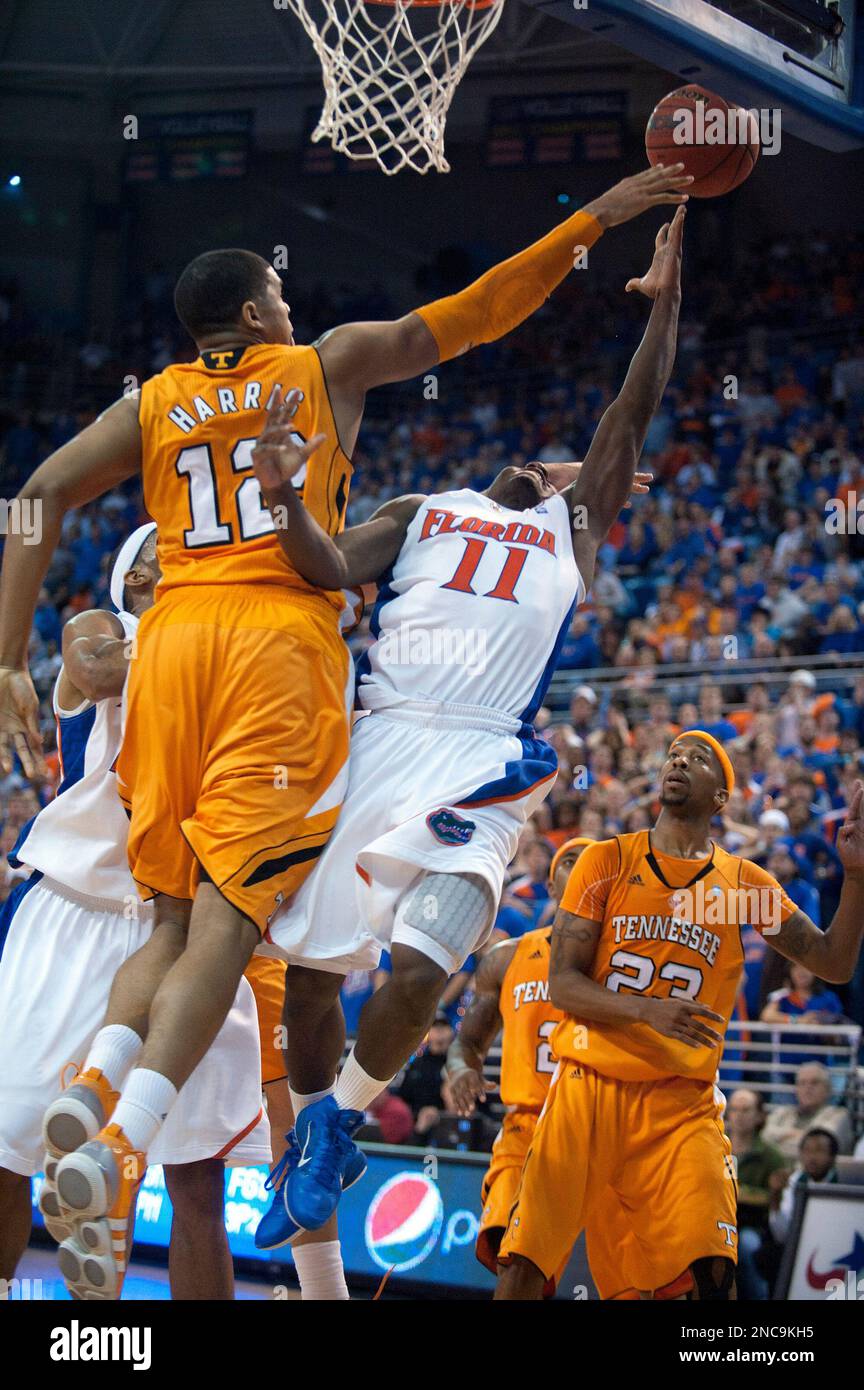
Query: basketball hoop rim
x=436, y=4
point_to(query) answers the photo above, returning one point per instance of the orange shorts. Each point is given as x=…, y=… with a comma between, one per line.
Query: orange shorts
x=235, y=749
x=266, y=975
x=501, y=1184
x=653, y=1153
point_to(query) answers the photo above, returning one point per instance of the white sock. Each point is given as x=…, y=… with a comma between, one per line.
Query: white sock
x=143, y=1107
x=114, y=1051
x=319, y=1269
x=299, y=1102
x=355, y=1088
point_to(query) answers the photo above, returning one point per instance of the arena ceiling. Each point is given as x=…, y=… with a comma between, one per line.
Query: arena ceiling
x=199, y=44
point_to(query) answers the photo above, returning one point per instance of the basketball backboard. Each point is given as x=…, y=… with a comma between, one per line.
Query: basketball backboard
x=801, y=56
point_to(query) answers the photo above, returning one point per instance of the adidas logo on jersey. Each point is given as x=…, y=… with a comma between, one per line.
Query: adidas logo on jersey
x=535, y=955
x=637, y=880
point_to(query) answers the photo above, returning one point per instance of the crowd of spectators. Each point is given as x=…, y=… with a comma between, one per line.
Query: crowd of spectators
x=746, y=550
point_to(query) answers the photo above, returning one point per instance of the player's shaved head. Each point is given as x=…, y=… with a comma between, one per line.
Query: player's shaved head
x=211, y=292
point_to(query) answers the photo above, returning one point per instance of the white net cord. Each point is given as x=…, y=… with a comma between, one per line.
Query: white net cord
x=390, y=71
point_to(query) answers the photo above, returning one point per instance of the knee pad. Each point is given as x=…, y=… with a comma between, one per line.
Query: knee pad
x=714, y=1277
x=445, y=916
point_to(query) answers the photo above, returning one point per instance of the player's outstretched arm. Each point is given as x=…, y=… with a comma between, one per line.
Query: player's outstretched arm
x=100, y=457
x=358, y=356
x=833, y=954
x=480, y=1027
x=606, y=478
x=359, y=555
x=96, y=654
x=574, y=943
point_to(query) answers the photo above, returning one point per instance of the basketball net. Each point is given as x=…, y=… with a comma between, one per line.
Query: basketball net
x=390, y=70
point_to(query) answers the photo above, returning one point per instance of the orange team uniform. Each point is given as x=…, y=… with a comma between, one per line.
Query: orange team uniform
x=633, y=1122
x=527, y=1067
x=236, y=739
x=526, y=1070
x=266, y=975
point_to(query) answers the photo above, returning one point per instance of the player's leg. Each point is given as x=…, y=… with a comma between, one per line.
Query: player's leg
x=501, y=1184
x=317, y=1254
x=438, y=922
x=520, y=1281
x=199, y=1258
x=396, y=1019
x=678, y=1182
x=15, y=1220
x=314, y=1038
x=574, y=1148
x=99, y=1181
x=88, y=1102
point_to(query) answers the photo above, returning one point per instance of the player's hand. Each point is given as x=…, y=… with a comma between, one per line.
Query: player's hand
x=850, y=837
x=467, y=1087
x=19, y=723
x=279, y=452
x=650, y=189
x=665, y=270
x=681, y=1019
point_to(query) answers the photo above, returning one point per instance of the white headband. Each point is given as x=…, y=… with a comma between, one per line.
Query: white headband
x=129, y=552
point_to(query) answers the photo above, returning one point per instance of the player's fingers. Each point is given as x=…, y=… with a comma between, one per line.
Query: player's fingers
x=703, y=1033
x=6, y=759
x=660, y=238
x=683, y=1037
x=22, y=748
x=658, y=199
x=634, y=284
x=853, y=812
x=704, y=1012
x=292, y=401
x=658, y=172
x=312, y=444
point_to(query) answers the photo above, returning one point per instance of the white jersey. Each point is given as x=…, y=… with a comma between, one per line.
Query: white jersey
x=79, y=838
x=475, y=607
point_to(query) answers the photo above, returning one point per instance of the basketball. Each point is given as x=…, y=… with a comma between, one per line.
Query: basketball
x=716, y=140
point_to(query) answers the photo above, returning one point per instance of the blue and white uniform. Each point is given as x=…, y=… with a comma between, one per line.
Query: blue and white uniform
x=445, y=767
x=74, y=921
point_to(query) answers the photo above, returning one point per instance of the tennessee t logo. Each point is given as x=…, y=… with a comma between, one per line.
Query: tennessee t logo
x=221, y=360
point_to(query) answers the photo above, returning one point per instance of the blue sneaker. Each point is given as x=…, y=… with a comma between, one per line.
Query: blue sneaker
x=276, y=1228
x=329, y=1163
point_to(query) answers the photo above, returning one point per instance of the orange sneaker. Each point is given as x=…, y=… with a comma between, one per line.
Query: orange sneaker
x=97, y=1185
x=79, y=1113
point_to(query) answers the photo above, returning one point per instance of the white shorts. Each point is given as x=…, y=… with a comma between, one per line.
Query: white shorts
x=422, y=795
x=56, y=971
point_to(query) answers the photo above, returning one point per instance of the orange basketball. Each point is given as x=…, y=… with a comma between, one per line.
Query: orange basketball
x=716, y=140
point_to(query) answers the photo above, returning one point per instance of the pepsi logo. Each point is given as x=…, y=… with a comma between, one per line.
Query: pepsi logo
x=404, y=1221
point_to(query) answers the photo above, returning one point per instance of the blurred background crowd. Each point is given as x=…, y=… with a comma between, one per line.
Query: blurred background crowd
x=731, y=599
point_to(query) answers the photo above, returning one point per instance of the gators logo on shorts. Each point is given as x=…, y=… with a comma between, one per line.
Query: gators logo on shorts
x=449, y=828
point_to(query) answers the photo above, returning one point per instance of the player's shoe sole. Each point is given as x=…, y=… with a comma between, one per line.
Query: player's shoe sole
x=59, y=1221
x=97, y=1184
x=92, y=1261
x=78, y=1114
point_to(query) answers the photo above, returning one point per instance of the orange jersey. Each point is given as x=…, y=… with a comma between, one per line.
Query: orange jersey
x=199, y=422
x=529, y=1022
x=657, y=941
